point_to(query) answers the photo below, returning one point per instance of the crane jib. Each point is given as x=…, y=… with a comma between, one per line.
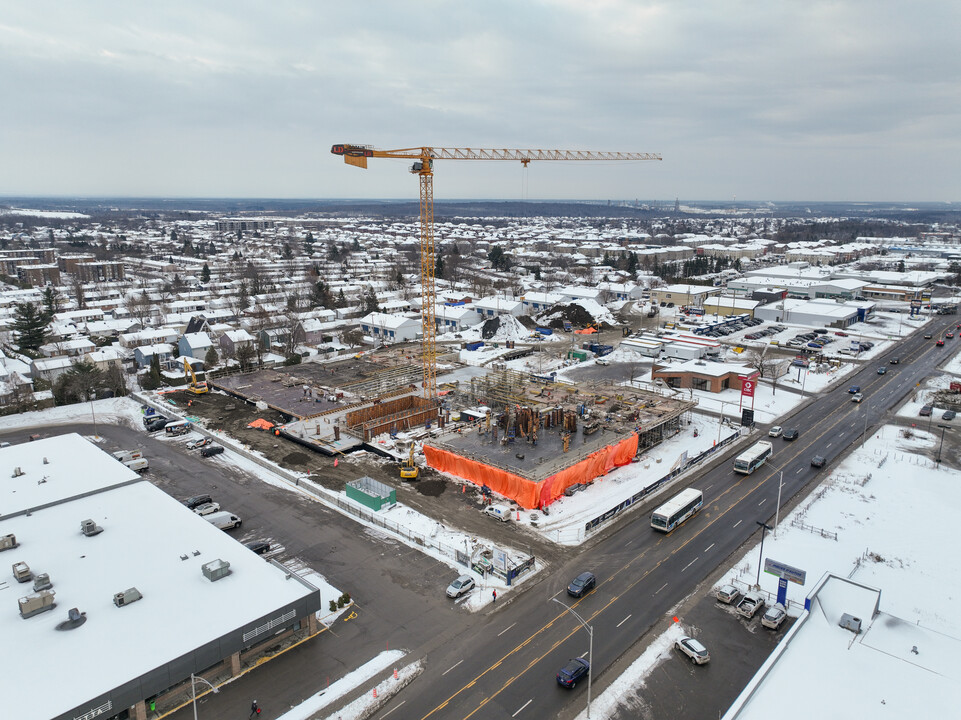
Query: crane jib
x=351, y=151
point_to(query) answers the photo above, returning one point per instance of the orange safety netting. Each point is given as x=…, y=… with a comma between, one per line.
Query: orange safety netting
x=527, y=493
x=260, y=424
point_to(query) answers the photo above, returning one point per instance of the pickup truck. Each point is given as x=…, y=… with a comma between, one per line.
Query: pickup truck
x=750, y=604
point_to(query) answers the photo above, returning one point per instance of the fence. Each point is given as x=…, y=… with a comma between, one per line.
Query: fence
x=592, y=525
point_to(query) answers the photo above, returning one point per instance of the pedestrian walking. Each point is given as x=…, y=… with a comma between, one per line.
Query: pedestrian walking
x=254, y=709
x=494, y=595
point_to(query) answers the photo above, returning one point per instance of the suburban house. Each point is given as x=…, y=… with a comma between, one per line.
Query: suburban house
x=148, y=337
x=231, y=340
x=454, y=318
x=390, y=328
x=538, y=301
x=164, y=352
x=72, y=348
x=489, y=307
x=50, y=369
x=105, y=358
x=195, y=345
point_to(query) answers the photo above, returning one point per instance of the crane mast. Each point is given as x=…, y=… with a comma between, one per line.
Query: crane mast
x=423, y=166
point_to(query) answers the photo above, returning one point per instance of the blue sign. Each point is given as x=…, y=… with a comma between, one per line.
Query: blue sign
x=782, y=591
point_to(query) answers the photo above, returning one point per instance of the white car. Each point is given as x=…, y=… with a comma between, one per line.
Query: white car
x=775, y=615
x=727, y=594
x=602, y=361
x=207, y=508
x=750, y=604
x=857, y=397
x=693, y=649
x=775, y=431
x=463, y=584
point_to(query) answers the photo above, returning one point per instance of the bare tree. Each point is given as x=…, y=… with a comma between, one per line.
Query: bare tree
x=140, y=307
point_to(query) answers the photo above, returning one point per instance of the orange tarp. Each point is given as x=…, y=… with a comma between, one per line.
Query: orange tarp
x=260, y=424
x=586, y=331
x=527, y=493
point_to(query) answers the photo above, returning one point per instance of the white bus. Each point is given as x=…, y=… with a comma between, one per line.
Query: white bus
x=753, y=458
x=676, y=510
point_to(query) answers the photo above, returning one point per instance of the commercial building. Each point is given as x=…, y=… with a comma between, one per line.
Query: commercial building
x=142, y=592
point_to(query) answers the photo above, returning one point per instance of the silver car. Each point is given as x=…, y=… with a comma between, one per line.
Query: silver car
x=775, y=615
x=207, y=508
x=693, y=649
x=727, y=594
x=463, y=584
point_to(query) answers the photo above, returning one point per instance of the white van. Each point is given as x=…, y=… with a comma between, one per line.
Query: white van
x=139, y=464
x=224, y=520
x=126, y=456
x=501, y=512
x=178, y=427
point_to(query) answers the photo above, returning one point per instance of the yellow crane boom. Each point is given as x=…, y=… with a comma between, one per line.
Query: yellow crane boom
x=423, y=166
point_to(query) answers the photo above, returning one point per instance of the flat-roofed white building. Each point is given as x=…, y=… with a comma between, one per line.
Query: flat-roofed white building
x=123, y=654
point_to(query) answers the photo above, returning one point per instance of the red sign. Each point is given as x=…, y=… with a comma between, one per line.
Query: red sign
x=748, y=384
x=956, y=387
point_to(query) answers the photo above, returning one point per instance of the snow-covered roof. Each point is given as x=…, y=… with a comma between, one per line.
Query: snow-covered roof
x=149, y=541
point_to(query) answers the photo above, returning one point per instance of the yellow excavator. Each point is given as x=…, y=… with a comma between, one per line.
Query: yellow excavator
x=408, y=470
x=197, y=388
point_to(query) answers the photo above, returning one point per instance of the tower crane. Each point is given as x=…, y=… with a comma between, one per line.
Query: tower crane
x=423, y=166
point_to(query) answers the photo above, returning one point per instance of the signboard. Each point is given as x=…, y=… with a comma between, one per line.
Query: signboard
x=783, y=570
x=748, y=385
x=747, y=418
x=955, y=387
x=500, y=558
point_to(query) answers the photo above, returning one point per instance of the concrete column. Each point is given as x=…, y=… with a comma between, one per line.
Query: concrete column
x=139, y=711
x=312, y=625
x=235, y=664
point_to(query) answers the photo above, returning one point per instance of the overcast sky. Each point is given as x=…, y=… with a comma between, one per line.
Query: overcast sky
x=767, y=100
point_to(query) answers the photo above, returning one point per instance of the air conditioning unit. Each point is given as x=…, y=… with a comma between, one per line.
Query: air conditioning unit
x=849, y=622
x=126, y=597
x=215, y=569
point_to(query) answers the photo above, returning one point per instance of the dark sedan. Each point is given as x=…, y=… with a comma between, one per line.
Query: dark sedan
x=818, y=461
x=582, y=584
x=575, y=671
x=791, y=434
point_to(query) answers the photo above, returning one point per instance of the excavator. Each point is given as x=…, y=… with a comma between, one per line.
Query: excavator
x=408, y=470
x=195, y=387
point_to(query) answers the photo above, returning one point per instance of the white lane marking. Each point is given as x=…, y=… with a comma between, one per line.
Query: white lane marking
x=623, y=621
x=451, y=667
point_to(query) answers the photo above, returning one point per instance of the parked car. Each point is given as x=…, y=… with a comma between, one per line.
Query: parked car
x=575, y=671
x=791, y=434
x=925, y=411
x=693, y=649
x=463, y=584
x=207, y=508
x=727, y=594
x=209, y=450
x=854, y=389
x=582, y=584
x=857, y=397
x=155, y=424
x=775, y=431
x=818, y=461
x=196, y=444
x=196, y=500
x=260, y=547
x=602, y=361
x=750, y=604
x=774, y=617
x=949, y=415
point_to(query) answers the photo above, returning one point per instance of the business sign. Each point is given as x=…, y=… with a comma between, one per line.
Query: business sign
x=748, y=385
x=783, y=570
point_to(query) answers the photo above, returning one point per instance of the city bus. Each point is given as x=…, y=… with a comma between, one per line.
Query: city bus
x=753, y=458
x=676, y=510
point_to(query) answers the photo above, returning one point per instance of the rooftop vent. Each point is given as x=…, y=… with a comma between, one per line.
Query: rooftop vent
x=8, y=542
x=127, y=596
x=216, y=569
x=75, y=619
x=849, y=622
x=37, y=603
x=42, y=582
x=90, y=528
x=17, y=472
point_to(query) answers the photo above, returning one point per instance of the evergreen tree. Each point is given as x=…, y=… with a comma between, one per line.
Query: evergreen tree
x=30, y=325
x=211, y=358
x=51, y=302
x=205, y=274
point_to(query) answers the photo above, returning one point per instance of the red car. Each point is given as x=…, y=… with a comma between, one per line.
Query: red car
x=940, y=343
x=949, y=335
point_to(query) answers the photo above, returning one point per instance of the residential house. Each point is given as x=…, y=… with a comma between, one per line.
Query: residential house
x=454, y=318
x=231, y=340
x=165, y=354
x=538, y=302
x=50, y=369
x=194, y=345
x=489, y=307
x=71, y=348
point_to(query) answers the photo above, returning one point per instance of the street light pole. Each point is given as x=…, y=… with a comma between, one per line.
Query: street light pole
x=193, y=690
x=760, y=557
x=590, y=651
x=943, y=428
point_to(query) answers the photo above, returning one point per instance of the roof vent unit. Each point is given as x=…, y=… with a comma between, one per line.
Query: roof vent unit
x=22, y=573
x=46, y=462
x=216, y=569
x=17, y=472
x=90, y=528
x=8, y=542
x=42, y=582
x=75, y=619
x=37, y=603
x=849, y=622
x=127, y=596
